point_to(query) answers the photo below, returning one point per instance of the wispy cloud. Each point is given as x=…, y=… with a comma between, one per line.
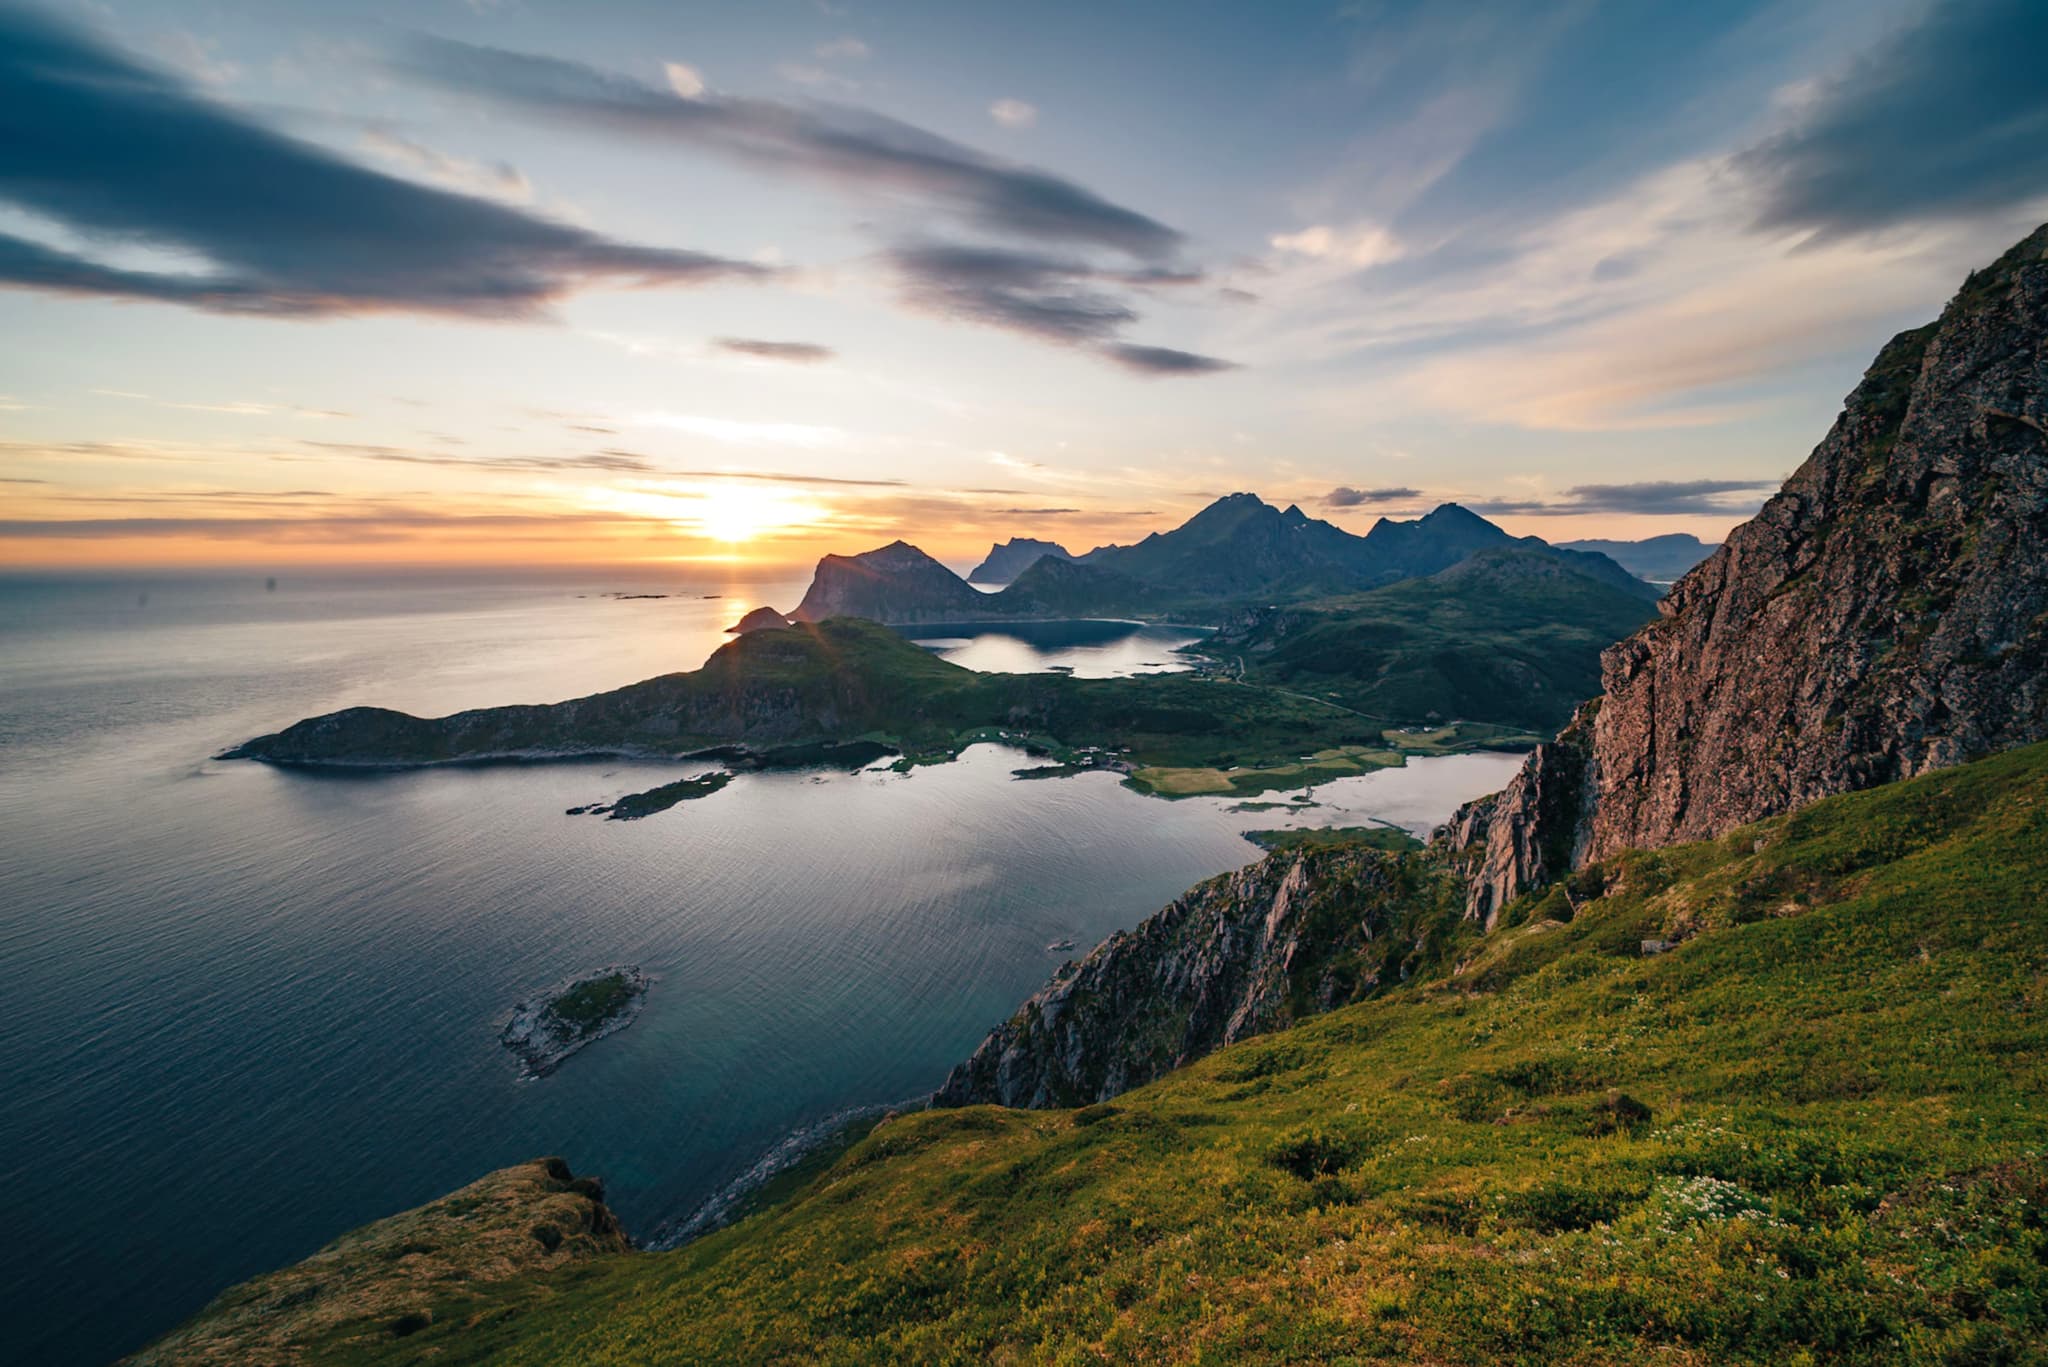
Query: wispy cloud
x=854, y=149
x=1013, y=113
x=107, y=149
x=1666, y=497
x=1164, y=360
x=1055, y=299
x=800, y=352
x=1344, y=496
x=499, y=179
x=605, y=462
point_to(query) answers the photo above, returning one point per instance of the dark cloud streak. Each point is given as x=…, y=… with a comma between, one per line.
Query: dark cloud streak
x=1947, y=118
x=1665, y=497
x=117, y=152
x=801, y=353
x=1344, y=496
x=1052, y=298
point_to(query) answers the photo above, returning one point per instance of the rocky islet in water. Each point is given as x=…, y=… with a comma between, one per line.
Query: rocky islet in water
x=548, y=1027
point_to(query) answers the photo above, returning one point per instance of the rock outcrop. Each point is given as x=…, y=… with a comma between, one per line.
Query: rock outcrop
x=897, y=583
x=760, y=619
x=1293, y=935
x=1885, y=614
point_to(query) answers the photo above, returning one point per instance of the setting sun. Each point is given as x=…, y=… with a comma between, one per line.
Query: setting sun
x=739, y=513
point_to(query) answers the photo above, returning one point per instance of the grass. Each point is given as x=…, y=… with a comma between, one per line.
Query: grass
x=1390, y=838
x=637, y=805
x=590, y=1004
x=1341, y=761
x=1813, y=1132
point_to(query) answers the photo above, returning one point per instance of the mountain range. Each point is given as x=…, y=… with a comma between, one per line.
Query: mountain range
x=1239, y=550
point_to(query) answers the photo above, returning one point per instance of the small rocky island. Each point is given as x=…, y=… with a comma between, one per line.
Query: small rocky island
x=549, y=1026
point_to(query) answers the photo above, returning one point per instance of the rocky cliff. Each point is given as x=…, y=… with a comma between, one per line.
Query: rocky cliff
x=1293, y=935
x=1885, y=614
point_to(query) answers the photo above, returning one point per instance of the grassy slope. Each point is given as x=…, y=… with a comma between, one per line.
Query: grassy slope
x=1843, y=1158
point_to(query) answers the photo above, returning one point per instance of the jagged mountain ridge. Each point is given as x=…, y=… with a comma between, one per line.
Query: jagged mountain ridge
x=1237, y=550
x=1886, y=613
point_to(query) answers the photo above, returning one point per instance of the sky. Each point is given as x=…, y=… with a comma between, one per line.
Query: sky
x=519, y=282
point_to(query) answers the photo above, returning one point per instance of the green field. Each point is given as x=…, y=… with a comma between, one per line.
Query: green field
x=1812, y=1132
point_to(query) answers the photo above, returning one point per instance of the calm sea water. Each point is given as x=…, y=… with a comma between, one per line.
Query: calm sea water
x=246, y=1010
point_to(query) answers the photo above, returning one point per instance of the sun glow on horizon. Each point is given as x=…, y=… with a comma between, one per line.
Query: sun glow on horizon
x=733, y=514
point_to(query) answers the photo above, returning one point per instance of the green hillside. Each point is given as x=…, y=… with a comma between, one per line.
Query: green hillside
x=1511, y=637
x=1810, y=1132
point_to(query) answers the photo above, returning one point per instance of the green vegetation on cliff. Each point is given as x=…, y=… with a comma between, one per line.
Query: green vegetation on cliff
x=1812, y=1131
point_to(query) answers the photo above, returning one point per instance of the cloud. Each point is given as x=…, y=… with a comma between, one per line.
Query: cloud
x=1946, y=119
x=684, y=79
x=1664, y=497
x=109, y=151
x=1054, y=299
x=851, y=148
x=607, y=462
x=801, y=352
x=1344, y=496
x=337, y=528
x=500, y=179
x=1040, y=296
x=611, y=460
x=847, y=49
x=1013, y=113
x=1362, y=245
x=1161, y=360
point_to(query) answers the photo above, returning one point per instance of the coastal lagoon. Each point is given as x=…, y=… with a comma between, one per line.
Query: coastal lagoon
x=1087, y=649
x=249, y=1008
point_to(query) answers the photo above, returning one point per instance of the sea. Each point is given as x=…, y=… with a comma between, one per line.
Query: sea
x=243, y=1010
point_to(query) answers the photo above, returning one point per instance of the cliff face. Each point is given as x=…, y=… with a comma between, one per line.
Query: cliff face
x=1293, y=935
x=1885, y=614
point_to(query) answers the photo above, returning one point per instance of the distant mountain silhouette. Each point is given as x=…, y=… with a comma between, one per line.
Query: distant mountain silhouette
x=1004, y=562
x=1662, y=559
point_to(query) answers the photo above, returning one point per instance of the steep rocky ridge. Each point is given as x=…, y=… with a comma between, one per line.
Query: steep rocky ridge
x=1885, y=614
x=1295, y=934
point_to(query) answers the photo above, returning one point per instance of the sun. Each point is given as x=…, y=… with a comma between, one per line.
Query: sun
x=739, y=513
